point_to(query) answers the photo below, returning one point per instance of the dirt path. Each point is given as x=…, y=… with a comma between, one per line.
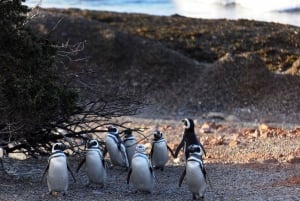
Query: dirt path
x=246, y=182
x=242, y=165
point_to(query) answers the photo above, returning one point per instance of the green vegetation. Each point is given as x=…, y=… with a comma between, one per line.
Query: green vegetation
x=32, y=94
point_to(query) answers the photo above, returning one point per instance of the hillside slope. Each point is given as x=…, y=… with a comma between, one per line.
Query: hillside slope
x=163, y=57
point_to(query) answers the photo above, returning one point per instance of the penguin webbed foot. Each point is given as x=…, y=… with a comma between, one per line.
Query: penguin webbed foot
x=197, y=196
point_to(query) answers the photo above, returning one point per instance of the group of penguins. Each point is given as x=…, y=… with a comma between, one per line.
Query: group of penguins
x=132, y=155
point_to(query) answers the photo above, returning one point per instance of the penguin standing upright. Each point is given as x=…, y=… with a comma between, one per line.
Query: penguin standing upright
x=140, y=173
x=115, y=148
x=195, y=173
x=188, y=138
x=95, y=166
x=159, y=151
x=130, y=144
x=57, y=169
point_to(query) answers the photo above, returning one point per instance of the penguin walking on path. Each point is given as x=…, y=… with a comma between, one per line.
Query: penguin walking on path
x=130, y=144
x=115, y=148
x=159, y=151
x=140, y=173
x=57, y=169
x=195, y=173
x=95, y=165
x=188, y=138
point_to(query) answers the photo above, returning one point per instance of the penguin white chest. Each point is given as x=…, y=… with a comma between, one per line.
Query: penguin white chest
x=94, y=166
x=195, y=178
x=57, y=178
x=159, y=156
x=141, y=176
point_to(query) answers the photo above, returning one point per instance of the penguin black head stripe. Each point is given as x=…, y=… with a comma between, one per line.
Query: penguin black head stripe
x=58, y=147
x=112, y=130
x=188, y=123
x=128, y=132
x=140, y=148
x=194, y=148
x=157, y=135
x=92, y=143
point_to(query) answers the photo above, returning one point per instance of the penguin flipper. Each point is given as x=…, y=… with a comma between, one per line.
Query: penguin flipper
x=80, y=164
x=204, y=172
x=128, y=175
x=104, y=151
x=46, y=170
x=178, y=148
x=71, y=173
x=152, y=150
x=202, y=147
x=152, y=173
x=171, y=151
x=103, y=162
x=182, y=177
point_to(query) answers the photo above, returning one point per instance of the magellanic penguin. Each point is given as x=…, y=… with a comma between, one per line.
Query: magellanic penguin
x=57, y=169
x=159, y=151
x=95, y=165
x=188, y=138
x=130, y=143
x=115, y=148
x=195, y=173
x=140, y=173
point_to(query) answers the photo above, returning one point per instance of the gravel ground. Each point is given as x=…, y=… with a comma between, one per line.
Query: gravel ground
x=256, y=169
x=228, y=182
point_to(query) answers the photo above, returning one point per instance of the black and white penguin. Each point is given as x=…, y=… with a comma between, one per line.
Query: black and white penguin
x=159, y=151
x=189, y=137
x=195, y=173
x=130, y=143
x=140, y=173
x=57, y=169
x=95, y=165
x=115, y=148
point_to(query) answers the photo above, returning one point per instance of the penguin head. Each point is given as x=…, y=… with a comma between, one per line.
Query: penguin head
x=92, y=144
x=195, y=149
x=157, y=135
x=112, y=130
x=140, y=148
x=188, y=123
x=128, y=132
x=58, y=147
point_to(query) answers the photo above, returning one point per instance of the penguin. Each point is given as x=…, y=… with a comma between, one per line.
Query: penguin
x=141, y=173
x=95, y=165
x=159, y=151
x=57, y=169
x=188, y=138
x=130, y=144
x=115, y=148
x=195, y=173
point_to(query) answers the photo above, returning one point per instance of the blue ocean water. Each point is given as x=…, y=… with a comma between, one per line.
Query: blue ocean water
x=281, y=11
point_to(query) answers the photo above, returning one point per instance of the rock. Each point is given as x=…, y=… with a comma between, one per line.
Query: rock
x=232, y=118
x=295, y=69
x=233, y=143
x=270, y=160
x=215, y=115
x=208, y=127
x=293, y=159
